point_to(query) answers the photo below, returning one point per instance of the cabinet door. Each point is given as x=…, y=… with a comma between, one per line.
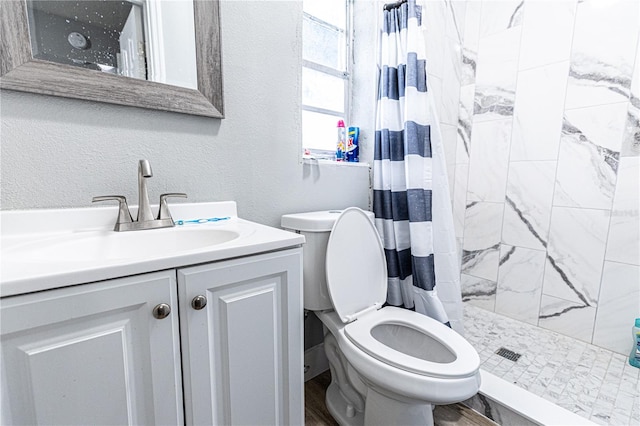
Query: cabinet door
x=92, y=354
x=242, y=352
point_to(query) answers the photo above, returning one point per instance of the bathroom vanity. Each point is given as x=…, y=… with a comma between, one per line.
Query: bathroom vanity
x=204, y=327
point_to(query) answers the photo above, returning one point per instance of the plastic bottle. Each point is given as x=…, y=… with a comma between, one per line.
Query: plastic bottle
x=634, y=356
x=341, y=143
x=353, y=149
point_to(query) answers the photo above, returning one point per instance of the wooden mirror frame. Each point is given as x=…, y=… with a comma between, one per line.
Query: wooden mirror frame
x=20, y=71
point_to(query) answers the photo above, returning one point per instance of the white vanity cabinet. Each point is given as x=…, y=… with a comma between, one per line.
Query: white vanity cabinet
x=242, y=351
x=92, y=354
x=96, y=354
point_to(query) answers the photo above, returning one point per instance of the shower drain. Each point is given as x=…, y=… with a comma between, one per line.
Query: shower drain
x=510, y=355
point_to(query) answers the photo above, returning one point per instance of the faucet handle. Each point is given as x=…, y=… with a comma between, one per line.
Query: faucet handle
x=163, y=210
x=124, y=216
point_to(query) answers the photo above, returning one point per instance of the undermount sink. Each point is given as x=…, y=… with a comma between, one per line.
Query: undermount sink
x=109, y=245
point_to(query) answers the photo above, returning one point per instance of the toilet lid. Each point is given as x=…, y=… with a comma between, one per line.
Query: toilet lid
x=356, y=267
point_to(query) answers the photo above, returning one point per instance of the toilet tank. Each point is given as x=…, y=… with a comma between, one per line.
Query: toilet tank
x=316, y=228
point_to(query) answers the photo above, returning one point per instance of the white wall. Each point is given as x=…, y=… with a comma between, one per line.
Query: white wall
x=57, y=152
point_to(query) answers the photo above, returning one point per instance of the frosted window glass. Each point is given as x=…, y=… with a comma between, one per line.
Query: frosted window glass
x=319, y=131
x=332, y=11
x=322, y=90
x=323, y=45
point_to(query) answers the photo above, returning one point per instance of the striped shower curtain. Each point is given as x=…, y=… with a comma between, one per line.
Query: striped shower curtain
x=411, y=196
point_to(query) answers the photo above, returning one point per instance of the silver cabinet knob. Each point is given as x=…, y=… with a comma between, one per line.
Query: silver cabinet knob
x=161, y=311
x=199, y=302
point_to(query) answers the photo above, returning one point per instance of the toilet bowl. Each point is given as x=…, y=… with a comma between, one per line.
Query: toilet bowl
x=388, y=365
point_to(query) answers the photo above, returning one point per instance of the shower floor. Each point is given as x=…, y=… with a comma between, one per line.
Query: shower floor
x=593, y=382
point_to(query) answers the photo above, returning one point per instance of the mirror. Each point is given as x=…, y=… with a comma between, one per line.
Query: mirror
x=158, y=54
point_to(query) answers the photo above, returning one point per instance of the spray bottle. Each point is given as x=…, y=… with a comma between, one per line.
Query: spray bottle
x=341, y=143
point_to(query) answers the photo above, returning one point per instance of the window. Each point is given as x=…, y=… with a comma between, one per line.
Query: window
x=326, y=41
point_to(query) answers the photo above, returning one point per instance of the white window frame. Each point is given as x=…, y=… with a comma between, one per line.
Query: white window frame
x=346, y=75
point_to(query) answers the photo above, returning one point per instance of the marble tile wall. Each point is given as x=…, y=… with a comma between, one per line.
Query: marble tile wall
x=545, y=168
x=443, y=23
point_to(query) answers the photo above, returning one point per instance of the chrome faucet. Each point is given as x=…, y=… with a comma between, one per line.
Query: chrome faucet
x=145, y=218
x=144, y=209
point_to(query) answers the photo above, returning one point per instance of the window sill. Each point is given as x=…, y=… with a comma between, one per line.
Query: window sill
x=324, y=162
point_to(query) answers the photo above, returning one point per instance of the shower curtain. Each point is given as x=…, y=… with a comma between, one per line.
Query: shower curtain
x=410, y=190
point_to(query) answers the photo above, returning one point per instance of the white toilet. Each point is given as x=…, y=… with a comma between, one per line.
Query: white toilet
x=388, y=365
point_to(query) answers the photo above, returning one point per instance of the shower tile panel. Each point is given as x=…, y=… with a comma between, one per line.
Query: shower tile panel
x=478, y=291
x=538, y=111
x=469, y=51
x=469, y=63
x=460, y=197
x=451, y=84
x=520, y=283
x=435, y=39
x=575, y=254
x=495, y=90
x=528, y=207
x=454, y=19
x=618, y=306
x=451, y=176
x=489, y=160
x=459, y=242
x=435, y=86
x=589, y=156
x=569, y=318
x=482, y=262
x=603, y=52
x=631, y=139
x=482, y=240
x=547, y=33
x=471, y=32
x=471, y=38
x=499, y=15
x=624, y=233
x=465, y=120
x=449, y=139
x=501, y=47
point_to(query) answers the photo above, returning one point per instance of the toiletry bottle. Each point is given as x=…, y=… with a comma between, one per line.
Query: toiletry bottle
x=353, y=150
x=634, y=357
x=341, y=142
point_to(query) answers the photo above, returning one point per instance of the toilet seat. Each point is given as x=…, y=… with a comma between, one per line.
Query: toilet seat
x=356, y=274
x=465, y=359
x=356, y=268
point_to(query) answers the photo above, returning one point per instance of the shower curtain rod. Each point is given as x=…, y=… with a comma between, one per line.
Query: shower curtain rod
x=390, y=6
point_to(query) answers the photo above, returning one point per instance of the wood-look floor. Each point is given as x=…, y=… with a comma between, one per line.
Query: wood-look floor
x=315, y=410
x=316, y=413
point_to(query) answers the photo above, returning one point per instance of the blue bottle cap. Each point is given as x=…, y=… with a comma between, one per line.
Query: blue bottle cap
x=637, y=322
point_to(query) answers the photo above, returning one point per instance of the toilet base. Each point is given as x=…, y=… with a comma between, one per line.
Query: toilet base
x=379, y=410
x=343, y=413
x=382, y=410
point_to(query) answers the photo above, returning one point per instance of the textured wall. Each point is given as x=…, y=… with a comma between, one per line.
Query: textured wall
x=59, y=153
x=547, y=165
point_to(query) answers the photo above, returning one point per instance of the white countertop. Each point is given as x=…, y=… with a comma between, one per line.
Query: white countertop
x=29, y=228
